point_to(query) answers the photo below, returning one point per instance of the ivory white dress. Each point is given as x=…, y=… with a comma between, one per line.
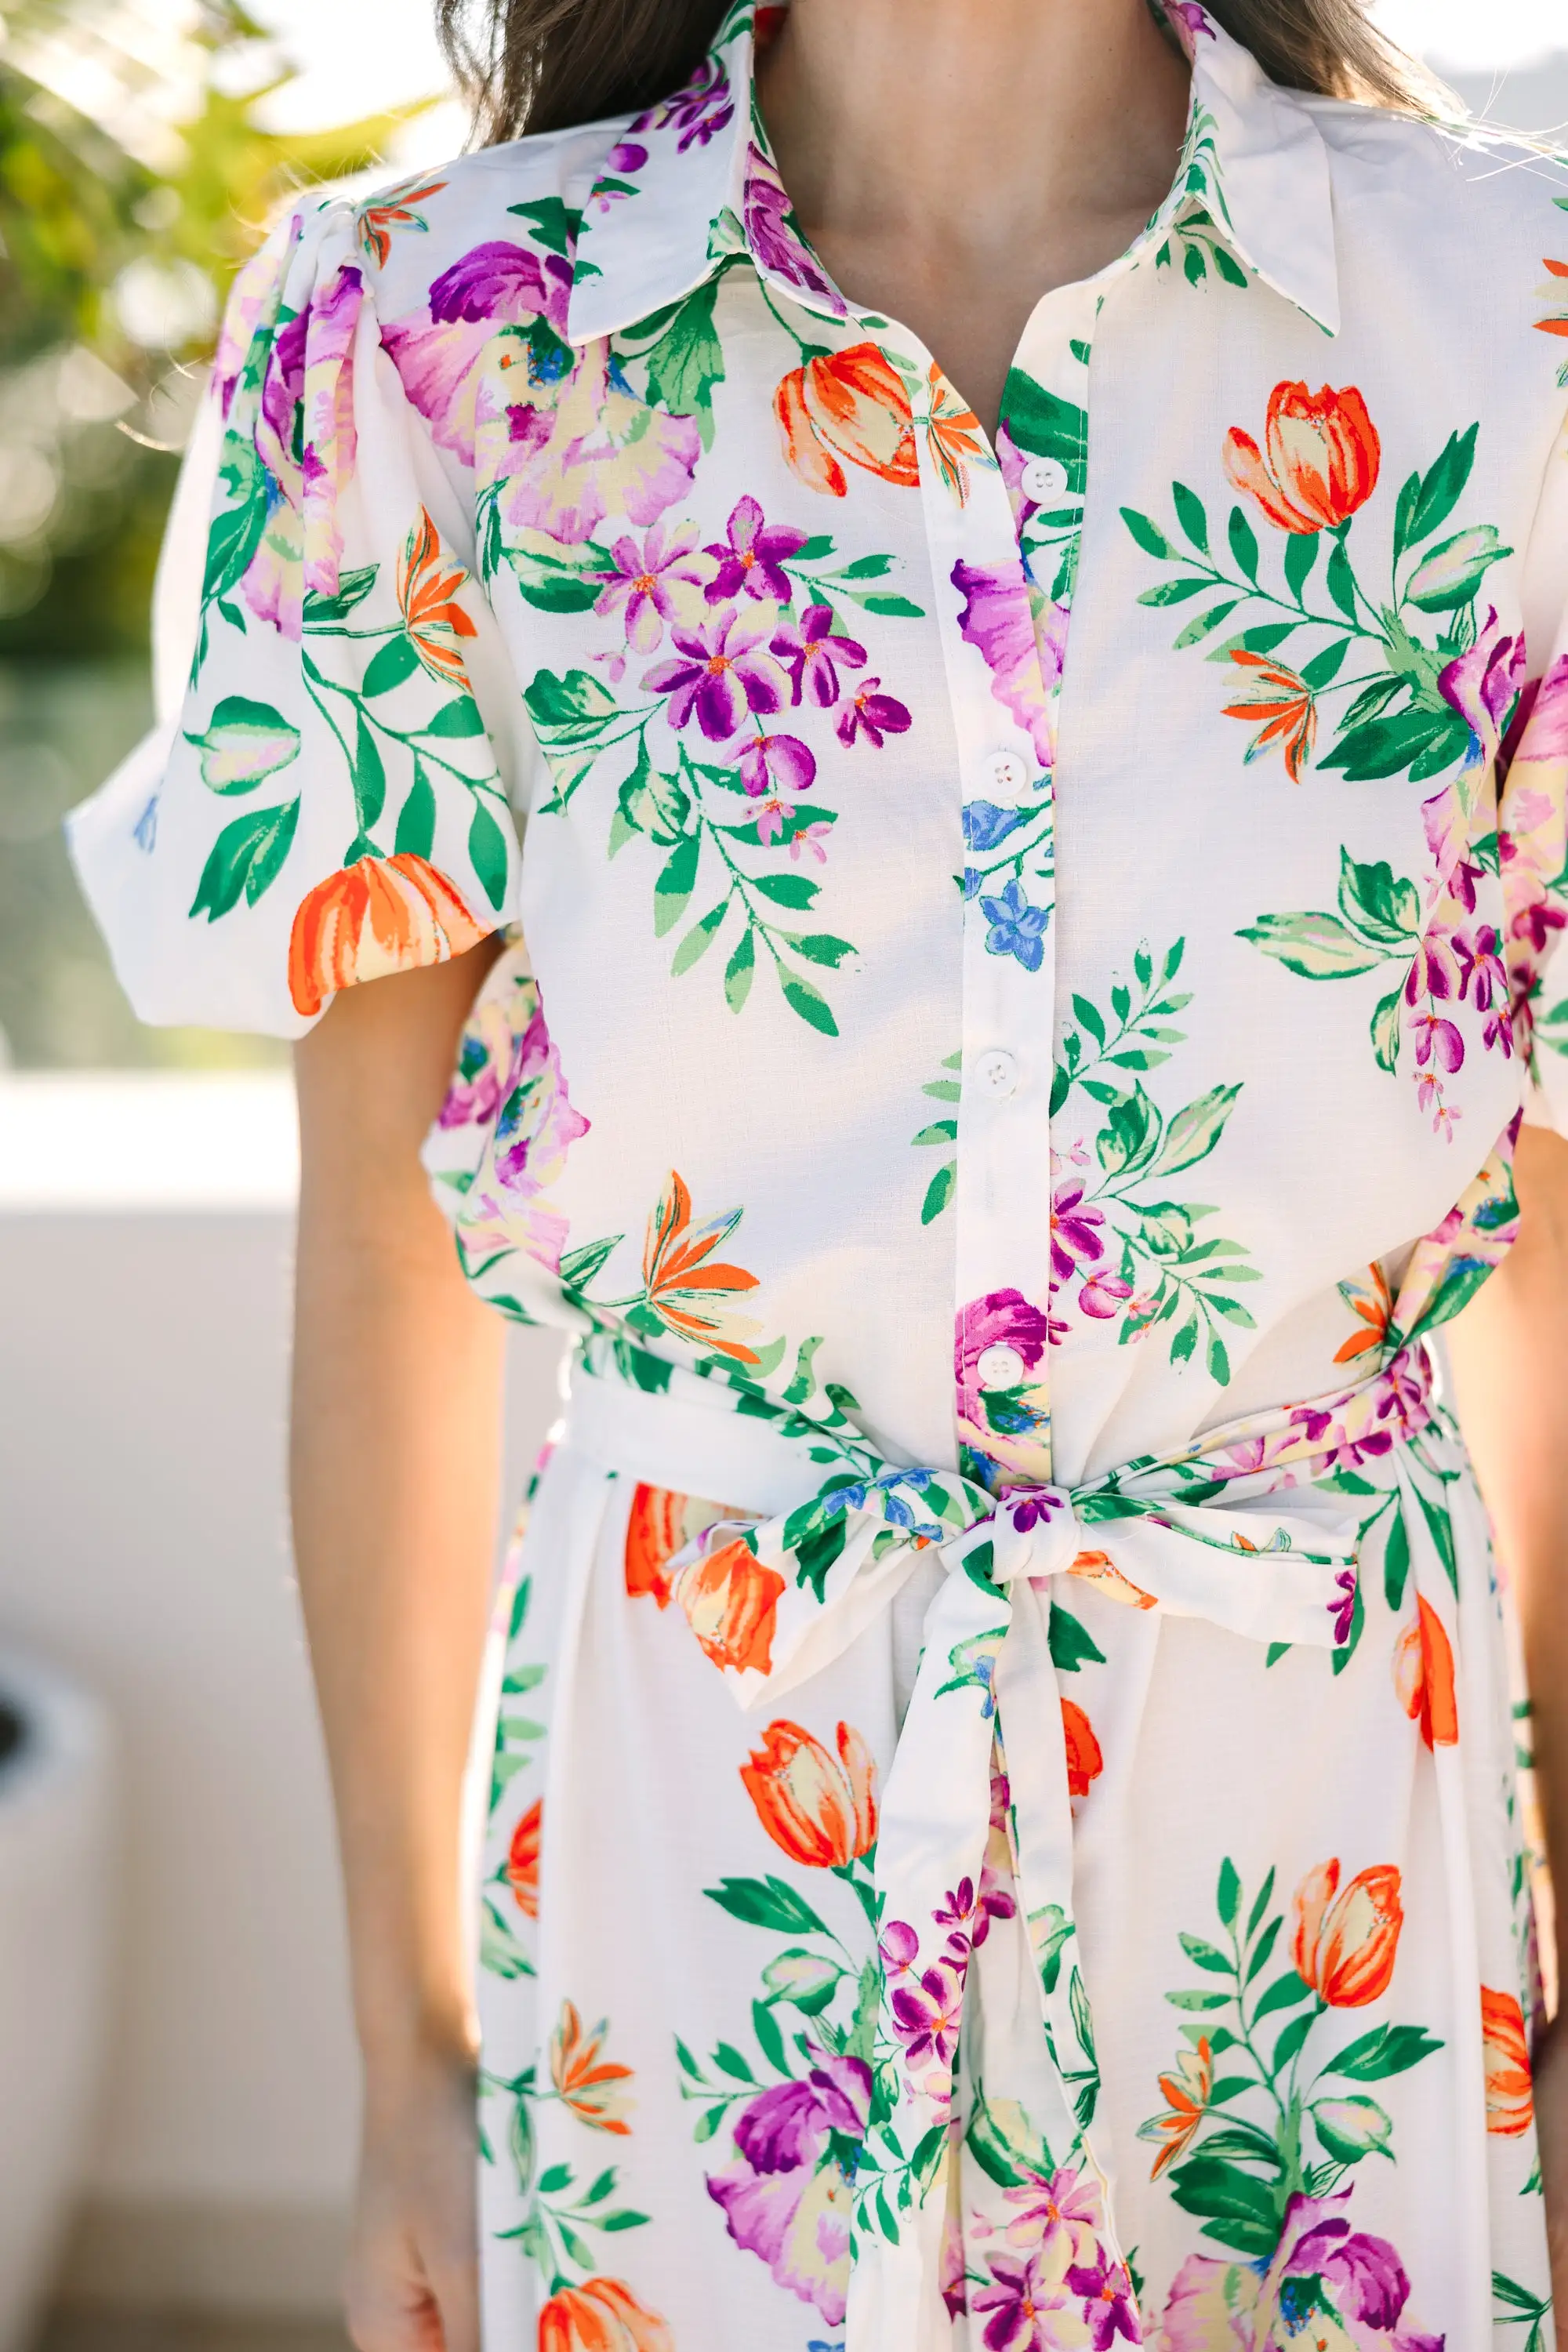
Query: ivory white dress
x=1025, y=959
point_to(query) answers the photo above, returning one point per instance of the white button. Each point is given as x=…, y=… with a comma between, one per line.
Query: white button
x=1045, y=479
x=997, y=1073
x=1000, y=1367
x=1009, y=775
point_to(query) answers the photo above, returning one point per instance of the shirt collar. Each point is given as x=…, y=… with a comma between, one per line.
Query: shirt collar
x=691, y=182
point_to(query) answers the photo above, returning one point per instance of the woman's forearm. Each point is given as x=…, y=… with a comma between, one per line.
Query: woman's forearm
x=1509, y=1355
x=394, y=1453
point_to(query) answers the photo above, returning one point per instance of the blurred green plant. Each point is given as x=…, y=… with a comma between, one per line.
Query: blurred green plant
x=136, y=173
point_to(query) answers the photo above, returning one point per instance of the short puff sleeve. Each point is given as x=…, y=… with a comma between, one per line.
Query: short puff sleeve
x=323, y=802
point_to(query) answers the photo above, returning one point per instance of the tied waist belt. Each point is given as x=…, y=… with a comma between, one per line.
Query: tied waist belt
x=838, y=1528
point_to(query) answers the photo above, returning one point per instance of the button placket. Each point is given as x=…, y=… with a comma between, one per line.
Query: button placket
x=1001, y=1202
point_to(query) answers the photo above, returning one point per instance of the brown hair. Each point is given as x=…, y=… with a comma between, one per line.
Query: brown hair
x=545, y=65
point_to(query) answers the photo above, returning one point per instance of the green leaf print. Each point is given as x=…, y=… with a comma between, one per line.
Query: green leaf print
x=246, y=859
x=555, y=583
x=1326, y=631
x=1234, y=2145
x=767, y=1902
x=687, y=362
x=1317, y=946
x=1145, y=1260
x=244, y=743
x=940, y=1188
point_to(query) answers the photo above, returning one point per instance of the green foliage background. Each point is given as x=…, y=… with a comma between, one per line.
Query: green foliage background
x=147, y=204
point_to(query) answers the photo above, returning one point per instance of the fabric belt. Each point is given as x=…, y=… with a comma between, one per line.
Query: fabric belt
x=1198, y=1534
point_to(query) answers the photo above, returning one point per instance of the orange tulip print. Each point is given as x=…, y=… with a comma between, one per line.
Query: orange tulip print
x=730, y=1600
x=521, y=1870
x=1186, y=2092
x=1424, y=1676
x=1510, y=2106
x=603, y=2314
x=847, y=405
x=1275, y=695
x=592, y=2090
x=379, y=915
x=682, y=1288
x=428, y=581
x=1320, y=459
x=818, y=1808
x=1085, y=1761
x=1345, y=1939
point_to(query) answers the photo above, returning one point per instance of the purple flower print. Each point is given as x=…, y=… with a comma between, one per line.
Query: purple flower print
x=1342, y=1609
x=781, y=764
x=503, y=282
x=1482, y=685
x=998, y=619
x=627, y=156
x=775, y=241
x=810, y=838
x=699, y=109
x=1076, y=1230
x=647, y=582
x=1017, y=929
x=1021, y=2295
x=438, y=350
x=1189, y=18
x=878, y=714
x=752, y=557
x=1108, y=2309
x=1540, y=725
x=721, y=673
x=1104, y=1296
x=810, y=652
x=926, y=2015
x=784, y=2199
x=899, y=1947
x=1002, y=1316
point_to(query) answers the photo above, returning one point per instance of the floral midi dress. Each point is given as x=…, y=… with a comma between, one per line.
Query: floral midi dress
x=1025, y=959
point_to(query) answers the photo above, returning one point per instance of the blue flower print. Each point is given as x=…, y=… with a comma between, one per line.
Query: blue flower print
x=1016, y=927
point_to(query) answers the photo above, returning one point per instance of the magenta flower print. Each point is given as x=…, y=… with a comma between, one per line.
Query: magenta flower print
x=701, y=108
x=926, y=2014
x=1022, y=2300
x=1190, y=20
x=997, y=618
x=751, y=559
x=786, y=2198
x=811, y=653
x=1108, y=2310
x=648, y=583
x=304, y=437
x=779, y=764
x=773, y=237
x=1077, y=1230
x=722, y=671
x=1104, y=1296
x=1003, y=1317
x=437, y=352
x=873, y=714
x=1483, y=686
x=810, y=840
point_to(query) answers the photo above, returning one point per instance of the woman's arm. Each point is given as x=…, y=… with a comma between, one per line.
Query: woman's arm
x=395, y=1467
x=1509, y=1355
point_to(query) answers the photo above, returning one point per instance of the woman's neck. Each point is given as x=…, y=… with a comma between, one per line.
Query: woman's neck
x=952, y=160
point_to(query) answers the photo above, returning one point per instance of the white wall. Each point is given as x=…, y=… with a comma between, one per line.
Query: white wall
x=142, y=1546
